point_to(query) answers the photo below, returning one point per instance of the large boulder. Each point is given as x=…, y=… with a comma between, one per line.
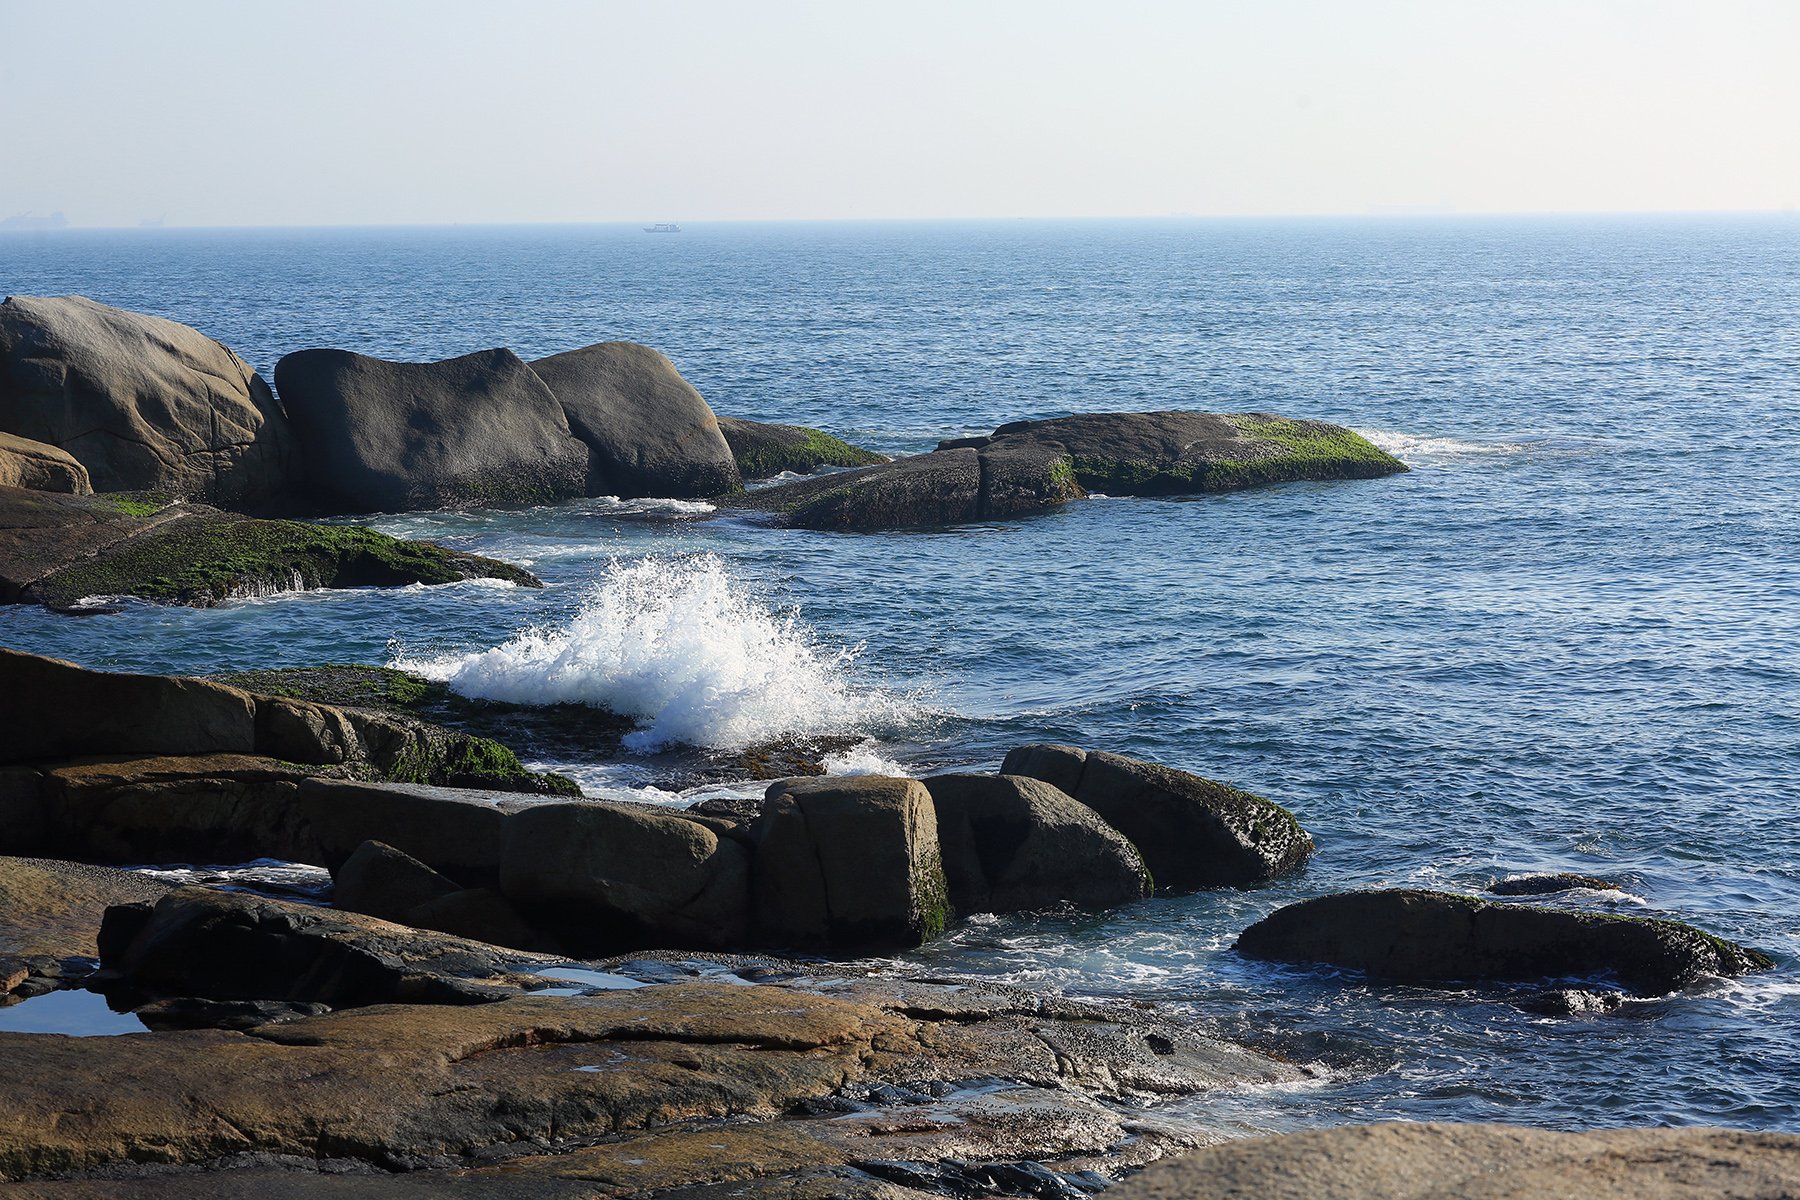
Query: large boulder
x=385, y=436
x=142, y=403
x=650, y=432
x=1167, y=453
x=50, y=709
x=1404, y=1161
x=1192, y=832
x=41, y=467
x=613, y=876
x=1413, y=934
x=1012, y=843
x=764, y=451
x=848, y=863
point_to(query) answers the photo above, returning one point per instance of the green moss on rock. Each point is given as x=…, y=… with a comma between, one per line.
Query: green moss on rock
x=204, y=559
x=817, y=449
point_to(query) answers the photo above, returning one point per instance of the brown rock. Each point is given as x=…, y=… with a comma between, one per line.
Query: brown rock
x=1012, y=843
x=611, y=876
x=482, y=915
x=849, y=862
x=55, y=908
x=41, y=467
x=51, y=709
x=141, y=402
x=380, y=881
x=1480, y=1162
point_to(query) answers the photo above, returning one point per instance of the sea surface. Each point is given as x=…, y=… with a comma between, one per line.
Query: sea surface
x=1566, y=641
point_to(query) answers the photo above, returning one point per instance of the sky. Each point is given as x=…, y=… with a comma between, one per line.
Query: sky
x=394, y=112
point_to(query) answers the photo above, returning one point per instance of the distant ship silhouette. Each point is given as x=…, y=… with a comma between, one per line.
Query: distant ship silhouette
x=663, y=227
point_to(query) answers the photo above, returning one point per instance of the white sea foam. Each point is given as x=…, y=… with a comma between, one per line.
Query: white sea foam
x=862, y=759
x=676, y=643
x=1408, y=448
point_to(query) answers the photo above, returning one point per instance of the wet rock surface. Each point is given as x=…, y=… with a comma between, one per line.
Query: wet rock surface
x=1413, y=934
x=811, y=1079
x=1492, y=1162
x=1192, y=831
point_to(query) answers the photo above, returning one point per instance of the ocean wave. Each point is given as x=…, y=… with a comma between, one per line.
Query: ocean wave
x=679, y=645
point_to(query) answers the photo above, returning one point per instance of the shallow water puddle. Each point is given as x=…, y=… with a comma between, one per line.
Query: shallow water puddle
x=77, y=1013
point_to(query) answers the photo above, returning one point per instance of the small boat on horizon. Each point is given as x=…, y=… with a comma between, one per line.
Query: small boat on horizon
x=663, y=227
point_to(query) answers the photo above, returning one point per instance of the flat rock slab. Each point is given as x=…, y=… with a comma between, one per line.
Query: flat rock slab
x=1480, y=1162
x=54, y=908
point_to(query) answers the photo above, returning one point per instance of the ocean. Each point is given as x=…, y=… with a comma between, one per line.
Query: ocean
x=1564, y=642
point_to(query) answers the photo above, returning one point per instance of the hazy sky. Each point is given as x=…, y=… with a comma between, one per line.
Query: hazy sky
x=324, y=112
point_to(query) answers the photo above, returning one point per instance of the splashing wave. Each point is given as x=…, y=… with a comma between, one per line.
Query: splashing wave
x=675, y=643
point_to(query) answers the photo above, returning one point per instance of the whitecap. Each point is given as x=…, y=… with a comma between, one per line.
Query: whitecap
x=1410, y=447
x=679, y=645
x=862, y=759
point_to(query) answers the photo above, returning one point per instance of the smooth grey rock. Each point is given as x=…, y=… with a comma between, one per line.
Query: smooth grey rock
x=385, y=436
x=650, y=432
x=1011, y=843
x=1413, y=934
x=926, y=489
x=848, y=863
x=141, y=402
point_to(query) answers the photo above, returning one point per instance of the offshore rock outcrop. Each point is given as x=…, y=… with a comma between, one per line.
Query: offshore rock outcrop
x=142, y=403
x=648, y=432
x=1175, y=453
x=764, y=450
x=1419, y=935
x=386, y=436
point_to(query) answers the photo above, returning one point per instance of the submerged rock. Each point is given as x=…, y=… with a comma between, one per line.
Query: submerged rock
x=648, y=431
x=764, y=451
x=1412, y=934
x=1405, y=1161
x=384, y=436
x=142, y=403
x=1012, y=843
x=1171, y=453
x=1192, y=832
x=1544, y=885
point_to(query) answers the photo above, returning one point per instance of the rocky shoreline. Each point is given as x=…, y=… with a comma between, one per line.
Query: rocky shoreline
x=481, y=1013
x=510, y=990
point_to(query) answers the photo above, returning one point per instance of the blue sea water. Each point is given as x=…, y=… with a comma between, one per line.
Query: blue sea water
x=1563, y=642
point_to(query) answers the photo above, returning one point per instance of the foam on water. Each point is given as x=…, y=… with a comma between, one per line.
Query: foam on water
x=676, y=643
x=1409, y=448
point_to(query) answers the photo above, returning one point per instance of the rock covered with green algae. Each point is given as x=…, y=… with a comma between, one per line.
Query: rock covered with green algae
x=1174, y=453
x=59, y=549
x=764, y=450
